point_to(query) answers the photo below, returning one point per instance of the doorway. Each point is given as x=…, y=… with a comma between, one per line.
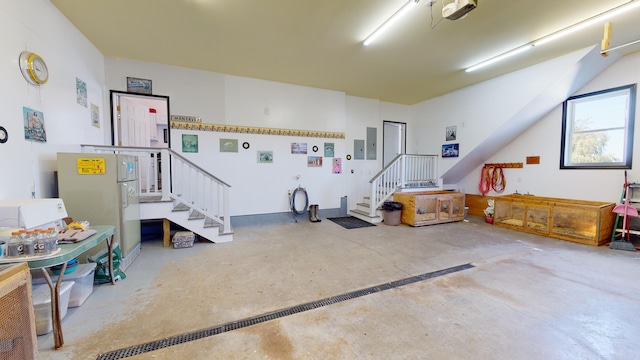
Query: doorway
x=394, y=136
x=139, y=120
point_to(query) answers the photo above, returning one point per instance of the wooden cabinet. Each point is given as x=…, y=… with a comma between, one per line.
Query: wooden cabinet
x=430, y=207
x=585, y=222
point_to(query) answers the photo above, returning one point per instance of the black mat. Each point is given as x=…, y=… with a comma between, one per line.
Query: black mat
x=350, y=222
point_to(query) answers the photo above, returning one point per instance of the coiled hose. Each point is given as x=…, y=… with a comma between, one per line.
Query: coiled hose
x=292, y=201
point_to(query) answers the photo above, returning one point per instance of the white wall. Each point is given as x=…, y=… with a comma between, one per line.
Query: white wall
x=225, y=99
x=543, y=139
x=37, y=26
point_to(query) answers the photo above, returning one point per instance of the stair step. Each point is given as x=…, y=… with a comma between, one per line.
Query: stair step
x=209, y=223
x=181, y=207
x=364, y=215
x=195, y=215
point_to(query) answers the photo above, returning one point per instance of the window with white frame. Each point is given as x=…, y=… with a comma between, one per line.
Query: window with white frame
x=597, y=129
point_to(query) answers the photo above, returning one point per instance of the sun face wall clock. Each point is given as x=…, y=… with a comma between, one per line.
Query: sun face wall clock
x=33, y=68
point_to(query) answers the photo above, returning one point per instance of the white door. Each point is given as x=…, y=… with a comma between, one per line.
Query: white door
x=134, y=123
x=394, y=140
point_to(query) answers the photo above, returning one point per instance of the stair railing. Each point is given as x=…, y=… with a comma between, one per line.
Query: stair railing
x=405, y=170
x=176, y=178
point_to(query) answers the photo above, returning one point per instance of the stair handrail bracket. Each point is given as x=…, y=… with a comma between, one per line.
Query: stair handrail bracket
x=403, y=171
x=178, y=179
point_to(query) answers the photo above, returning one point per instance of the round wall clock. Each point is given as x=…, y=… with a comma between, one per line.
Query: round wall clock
x=315, y=149
x=245, y=145
x=4, y=136
x=33, y=68
x=348, y=157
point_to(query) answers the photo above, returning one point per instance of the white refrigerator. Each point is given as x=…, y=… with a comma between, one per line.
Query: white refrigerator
x=103, y=189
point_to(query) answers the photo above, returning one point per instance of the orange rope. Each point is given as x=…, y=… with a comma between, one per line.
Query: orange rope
x=492, y=177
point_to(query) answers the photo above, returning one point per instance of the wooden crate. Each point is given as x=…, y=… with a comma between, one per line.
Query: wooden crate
x=430, y=207
x=17, y=323
x=581, y=221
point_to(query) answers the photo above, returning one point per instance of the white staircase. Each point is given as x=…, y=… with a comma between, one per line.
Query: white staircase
x=180, y=191
x=404, y=173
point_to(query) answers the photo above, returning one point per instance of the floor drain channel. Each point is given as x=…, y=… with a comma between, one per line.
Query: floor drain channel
x=196, y=335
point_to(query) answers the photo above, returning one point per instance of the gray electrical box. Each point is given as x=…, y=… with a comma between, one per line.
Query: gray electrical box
x=358, y=149
x=372, y=135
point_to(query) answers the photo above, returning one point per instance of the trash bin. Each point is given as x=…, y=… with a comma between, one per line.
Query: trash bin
x=392, y=212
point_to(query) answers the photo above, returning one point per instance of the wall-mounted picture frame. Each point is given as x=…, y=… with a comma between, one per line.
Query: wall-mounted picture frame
x=229, y=145
x=95, y=115
x=450, y=134
x=450, y=150
x=34, y=125
x=189, y=143
x=329, y=149
x=140, y=86
x=314, y=161
x=81, y=92
x=298, y=148
x=265, y=157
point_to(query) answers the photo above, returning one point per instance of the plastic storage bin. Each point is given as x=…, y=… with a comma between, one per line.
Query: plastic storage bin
x=82, y=277
x=42, y=305
x=183, y=239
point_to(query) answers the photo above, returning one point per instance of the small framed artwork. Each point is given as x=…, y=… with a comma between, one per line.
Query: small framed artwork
x=328, y=149
x=314, y=161
x=95, y=115
x=81, y=92
x=140, y=86
x=228, y=145
x=34, y=125
x=450, y=150
x=451, y=133
x=298, y=148
x=189, y=143
x=265, y=157
x=337, y=166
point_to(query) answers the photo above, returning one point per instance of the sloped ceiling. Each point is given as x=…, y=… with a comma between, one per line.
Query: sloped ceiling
x=319, y=43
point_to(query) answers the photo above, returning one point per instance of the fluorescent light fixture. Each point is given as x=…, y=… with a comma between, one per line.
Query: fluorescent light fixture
x=499, y=57
x=583, y=24
x=385, y=25
x=632, y=4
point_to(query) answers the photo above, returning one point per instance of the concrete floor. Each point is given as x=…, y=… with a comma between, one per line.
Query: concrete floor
x=528, y=297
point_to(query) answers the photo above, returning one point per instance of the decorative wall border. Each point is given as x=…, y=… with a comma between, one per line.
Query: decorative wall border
x=236, y=129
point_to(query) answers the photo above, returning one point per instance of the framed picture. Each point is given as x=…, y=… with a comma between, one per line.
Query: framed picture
x=451, y=133
x=189, y=143
x=265, y=157
x=450, y=150
x=34, y=125
x=81, y=92
x=298, y=148
x=328, y=149
x=95, y=115
x=140, y=86
x=314, y=161
x=228, y=145
x=337, y=166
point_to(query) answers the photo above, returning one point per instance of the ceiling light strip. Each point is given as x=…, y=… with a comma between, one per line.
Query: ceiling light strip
x=620, y=46
x=561, y=33
x=494, y=59
x=385, y=25
x=588, y=22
